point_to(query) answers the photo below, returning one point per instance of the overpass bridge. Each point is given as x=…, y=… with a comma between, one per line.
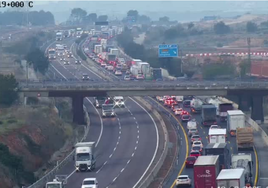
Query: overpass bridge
x=250, y=94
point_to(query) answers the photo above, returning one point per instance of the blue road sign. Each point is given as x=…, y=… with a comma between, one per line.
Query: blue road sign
x=168, y=50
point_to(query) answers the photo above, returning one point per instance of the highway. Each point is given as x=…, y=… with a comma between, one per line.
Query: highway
x=124, y=151
x=185, y=148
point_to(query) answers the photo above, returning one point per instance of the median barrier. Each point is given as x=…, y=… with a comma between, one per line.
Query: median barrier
x=250, y=122
x=51, y=175
x=151, y=177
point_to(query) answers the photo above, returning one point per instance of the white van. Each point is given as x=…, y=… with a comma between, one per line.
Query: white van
x=191, y=124
x=119, y=101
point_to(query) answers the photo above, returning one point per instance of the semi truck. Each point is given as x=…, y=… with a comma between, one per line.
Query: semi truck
x=244, y=138
x=98, y=49
x=196, y=106
x=231, y=178
x=217, y=136
x=85, y=156
x=59, y=36
x=221, y=150
x=235, y=119
x=51, y=53
x=206, y=170
x=244, y=161
x=223, y=108
x=60, y=49
x=216, y=102
x=114, y=51
x=59, y=181
x=209, y=116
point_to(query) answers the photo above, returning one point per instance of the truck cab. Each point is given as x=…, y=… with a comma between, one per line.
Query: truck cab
x=196, y=106
x=84, y=156
x=209, y=116
x=108, y=110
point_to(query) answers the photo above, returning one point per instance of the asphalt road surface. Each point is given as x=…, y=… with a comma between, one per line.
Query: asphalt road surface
x=123, y=149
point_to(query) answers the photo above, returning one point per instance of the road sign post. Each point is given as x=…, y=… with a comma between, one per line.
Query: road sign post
x=168, y=50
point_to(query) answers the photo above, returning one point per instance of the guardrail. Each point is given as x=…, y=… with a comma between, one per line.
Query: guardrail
x=150, y=178
x=176, y=125
x=51, y=175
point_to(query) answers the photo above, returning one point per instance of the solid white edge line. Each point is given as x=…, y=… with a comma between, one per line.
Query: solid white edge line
x=92, y=71
x=157, y=143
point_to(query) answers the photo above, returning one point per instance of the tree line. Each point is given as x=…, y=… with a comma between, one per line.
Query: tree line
x=8, y=89
x=79, y=15
x=35, y=18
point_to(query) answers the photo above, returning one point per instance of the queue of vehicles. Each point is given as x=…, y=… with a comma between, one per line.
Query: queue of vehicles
x=212, y=163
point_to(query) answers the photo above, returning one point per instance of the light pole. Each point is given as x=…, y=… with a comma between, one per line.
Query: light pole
x=249, y=57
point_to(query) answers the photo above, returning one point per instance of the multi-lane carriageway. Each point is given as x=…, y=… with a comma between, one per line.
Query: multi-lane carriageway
x=124, y=152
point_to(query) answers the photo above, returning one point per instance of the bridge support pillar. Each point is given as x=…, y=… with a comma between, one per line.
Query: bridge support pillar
x=257, y=108
x=244, y=103
x=77, y=107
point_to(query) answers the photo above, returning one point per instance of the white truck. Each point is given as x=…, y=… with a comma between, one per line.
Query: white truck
x=98, y=49
x=59, y=181
x=191, y=124
x=85, y=156
x=59, y=36
x=235, y=119
x=60, y=49
x=243, y=161
x=114, y=51
x=196, y=105
x=217, y=136
x=231, y=178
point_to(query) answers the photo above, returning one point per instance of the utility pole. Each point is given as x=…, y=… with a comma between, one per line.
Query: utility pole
x=249, y=57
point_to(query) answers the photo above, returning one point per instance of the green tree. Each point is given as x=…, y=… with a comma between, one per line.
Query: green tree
x=8, y=89
x=125, y=38
x=215, y=70
x=164, y=19
x=102, y=18
x=220, y=28
x=144, y=19
x=37, y=58
x=190, y=25
x=134, y=14
x=244, y=68
x=91, y=18
x=77, y=15
x=251, y=27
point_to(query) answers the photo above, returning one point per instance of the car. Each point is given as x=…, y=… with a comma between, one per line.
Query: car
x=197, y=148
x=91, y=56
x=78, y=61
x=85, y=77
x=185, y=117
x=66, y=63
x=195, y=154
x=183, y=180
x=197, y=143
x=214, y=127
x=62, y=59
x=192, y=132
x=139, y=77
x=159, y=98
x=186, y=103
x=127, y=72
x=127, y=77
x=174, y=106
x=118, y=73
x=195, y=138
x=103, y=64
x=89, y=182
x=178, y=111
x=192, y=124
x=110, y=68
x=189, y=162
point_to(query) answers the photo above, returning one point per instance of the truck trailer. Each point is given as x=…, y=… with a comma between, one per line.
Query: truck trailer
x=235, y=119
x=231, y=178
x=221, y=150
x=206, y=170
x=209, y=116
x=223, y=108
x=217, y=136
x=244, y=161
x=196, y=106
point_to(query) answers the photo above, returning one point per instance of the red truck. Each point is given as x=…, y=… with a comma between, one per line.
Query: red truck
x=206, y=170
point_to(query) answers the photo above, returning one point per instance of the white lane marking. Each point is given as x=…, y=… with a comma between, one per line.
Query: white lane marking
x=110, y=155
x=136, y=123
x=138, y=131
x=134, y=118
x=119, y=132
x=92, y=71
x=117, y=142
x=58, y=71
x=114, y=148
x=157, y=140
x=128, y=161
x=119, y=137
x=137, y=142
x=133, y=154
x=136, y=147
x=100, y=121
x=122, y=170
x=138, y=137
x=114, y=179
x=120, y=127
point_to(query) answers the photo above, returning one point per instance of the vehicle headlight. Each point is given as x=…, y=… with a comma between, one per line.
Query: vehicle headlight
x=77, y=168
x=103, y=113
x=112, y=113
x=117, y=103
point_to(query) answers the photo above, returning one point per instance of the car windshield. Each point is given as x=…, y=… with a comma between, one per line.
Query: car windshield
x=186, y=116
x=107, y=107
x=196, y=136
x=192, y=130
x=194, y=152
x=89, y=182
x=197, y=143
x=196, y=148
x=183, y=178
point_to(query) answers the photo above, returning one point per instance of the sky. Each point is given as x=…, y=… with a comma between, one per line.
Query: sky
x=182, y=11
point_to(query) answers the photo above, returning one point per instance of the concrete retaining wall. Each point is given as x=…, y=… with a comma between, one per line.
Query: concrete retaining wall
x=250, y=122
